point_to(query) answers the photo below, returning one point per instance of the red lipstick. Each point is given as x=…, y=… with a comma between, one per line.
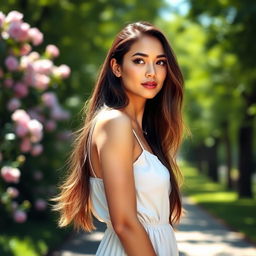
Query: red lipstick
x=149, y=85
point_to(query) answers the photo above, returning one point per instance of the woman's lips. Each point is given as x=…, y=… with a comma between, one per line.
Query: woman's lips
x=149, y=85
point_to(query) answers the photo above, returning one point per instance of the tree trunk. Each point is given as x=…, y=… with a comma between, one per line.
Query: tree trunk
x=245, y=161
x=213, y=161
x=227, y=144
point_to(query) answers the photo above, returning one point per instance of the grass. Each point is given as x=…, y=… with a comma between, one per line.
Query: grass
x=33, y=238
x=238, y=213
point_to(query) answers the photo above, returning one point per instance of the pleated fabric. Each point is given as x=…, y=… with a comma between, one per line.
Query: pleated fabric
x=152, y=183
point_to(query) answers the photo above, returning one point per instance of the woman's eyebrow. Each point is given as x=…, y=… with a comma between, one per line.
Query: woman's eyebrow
x=145, y=55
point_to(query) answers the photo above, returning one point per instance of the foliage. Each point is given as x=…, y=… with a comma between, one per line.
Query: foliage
x=30, y=116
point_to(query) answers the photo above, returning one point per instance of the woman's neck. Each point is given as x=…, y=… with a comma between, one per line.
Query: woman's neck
x=135, y=112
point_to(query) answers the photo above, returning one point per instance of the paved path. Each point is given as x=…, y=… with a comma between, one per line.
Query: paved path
x=199, y=235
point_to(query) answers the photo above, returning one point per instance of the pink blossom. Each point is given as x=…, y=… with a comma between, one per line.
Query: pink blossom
x=12, y=192
x=41, y=81
x=43, y=66
x=21, y=129
x=21, y=90
x=1, y=73
x=24, y=61
x=25, y=49
x=11, y=63
x=2, y=18
x=58, y=113
x=34, y=56
x=13, y=104
x=49, y=99
x=10, y=174
x=24, y=28
x=20, y=216
x=36, y=114
x=52, y=51
x=50, y=125
x=8, y=82
x=19, y=31
x=36, y=36
x=63, y=71
x=38, y=175
x=36, y=130
x=25, y=145
x=40, y=204
x=14, y=16
x=36, y=150
x=20, y=116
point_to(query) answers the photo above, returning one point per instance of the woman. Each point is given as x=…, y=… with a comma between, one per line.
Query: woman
x=123, y=168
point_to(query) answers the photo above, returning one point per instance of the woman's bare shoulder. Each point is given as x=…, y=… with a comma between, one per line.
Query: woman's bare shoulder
x=112, y=120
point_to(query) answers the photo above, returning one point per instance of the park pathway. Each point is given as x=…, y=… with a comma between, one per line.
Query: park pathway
x=199, y=235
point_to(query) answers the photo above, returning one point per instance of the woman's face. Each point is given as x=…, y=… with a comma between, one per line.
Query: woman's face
x=145, y=62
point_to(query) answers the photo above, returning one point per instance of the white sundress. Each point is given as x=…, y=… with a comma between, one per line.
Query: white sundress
x=152, y=183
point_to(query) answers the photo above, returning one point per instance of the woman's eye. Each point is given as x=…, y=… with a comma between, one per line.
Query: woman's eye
x=162, y=62
x=138, y=61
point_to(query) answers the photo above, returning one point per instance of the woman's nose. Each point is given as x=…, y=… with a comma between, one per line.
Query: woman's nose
x=150, y=71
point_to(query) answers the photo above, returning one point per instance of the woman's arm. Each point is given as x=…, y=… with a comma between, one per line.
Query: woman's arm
x=114, y=140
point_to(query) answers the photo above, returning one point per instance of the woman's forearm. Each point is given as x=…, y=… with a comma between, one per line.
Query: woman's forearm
x=135, y=240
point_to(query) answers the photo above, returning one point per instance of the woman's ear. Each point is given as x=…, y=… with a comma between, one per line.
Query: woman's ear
x=115, y=67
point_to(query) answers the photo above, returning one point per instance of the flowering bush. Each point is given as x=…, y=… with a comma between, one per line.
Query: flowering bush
x=29, y=114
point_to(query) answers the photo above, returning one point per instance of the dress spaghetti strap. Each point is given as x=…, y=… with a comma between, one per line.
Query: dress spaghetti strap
x=138, y=140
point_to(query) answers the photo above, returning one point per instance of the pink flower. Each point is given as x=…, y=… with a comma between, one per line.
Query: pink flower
x=36, y=130
x=36, y=150
x=25, y=145
x=25, y=49
x=58, y=113
x=21, y=129
x=49, y=99
x=38, y=175
x=10, y=174
x=11, y=63
x=21, y=90
x=37, y=114
x=63, y=71
x=52, y=51
x=14, y=16
x=41, y=82
x=19, y=31
x=8, y=82
x=36, y=36
x=12, y=192
x=34, y=56
x=40, y=204
x=43, y=66
x=1, y=73
x=13, y=104
x=2, y=18
x=50, y=125
x=20, y=216
x=20, y=116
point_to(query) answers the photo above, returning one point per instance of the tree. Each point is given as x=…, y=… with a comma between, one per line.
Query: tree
x=231, y=24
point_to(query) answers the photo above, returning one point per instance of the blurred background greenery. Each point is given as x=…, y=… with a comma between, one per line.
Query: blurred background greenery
x=215, y=45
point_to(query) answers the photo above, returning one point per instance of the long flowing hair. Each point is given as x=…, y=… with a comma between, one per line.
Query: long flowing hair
x=162, y=120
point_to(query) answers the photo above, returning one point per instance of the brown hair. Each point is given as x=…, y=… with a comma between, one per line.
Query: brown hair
x=73, y=202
